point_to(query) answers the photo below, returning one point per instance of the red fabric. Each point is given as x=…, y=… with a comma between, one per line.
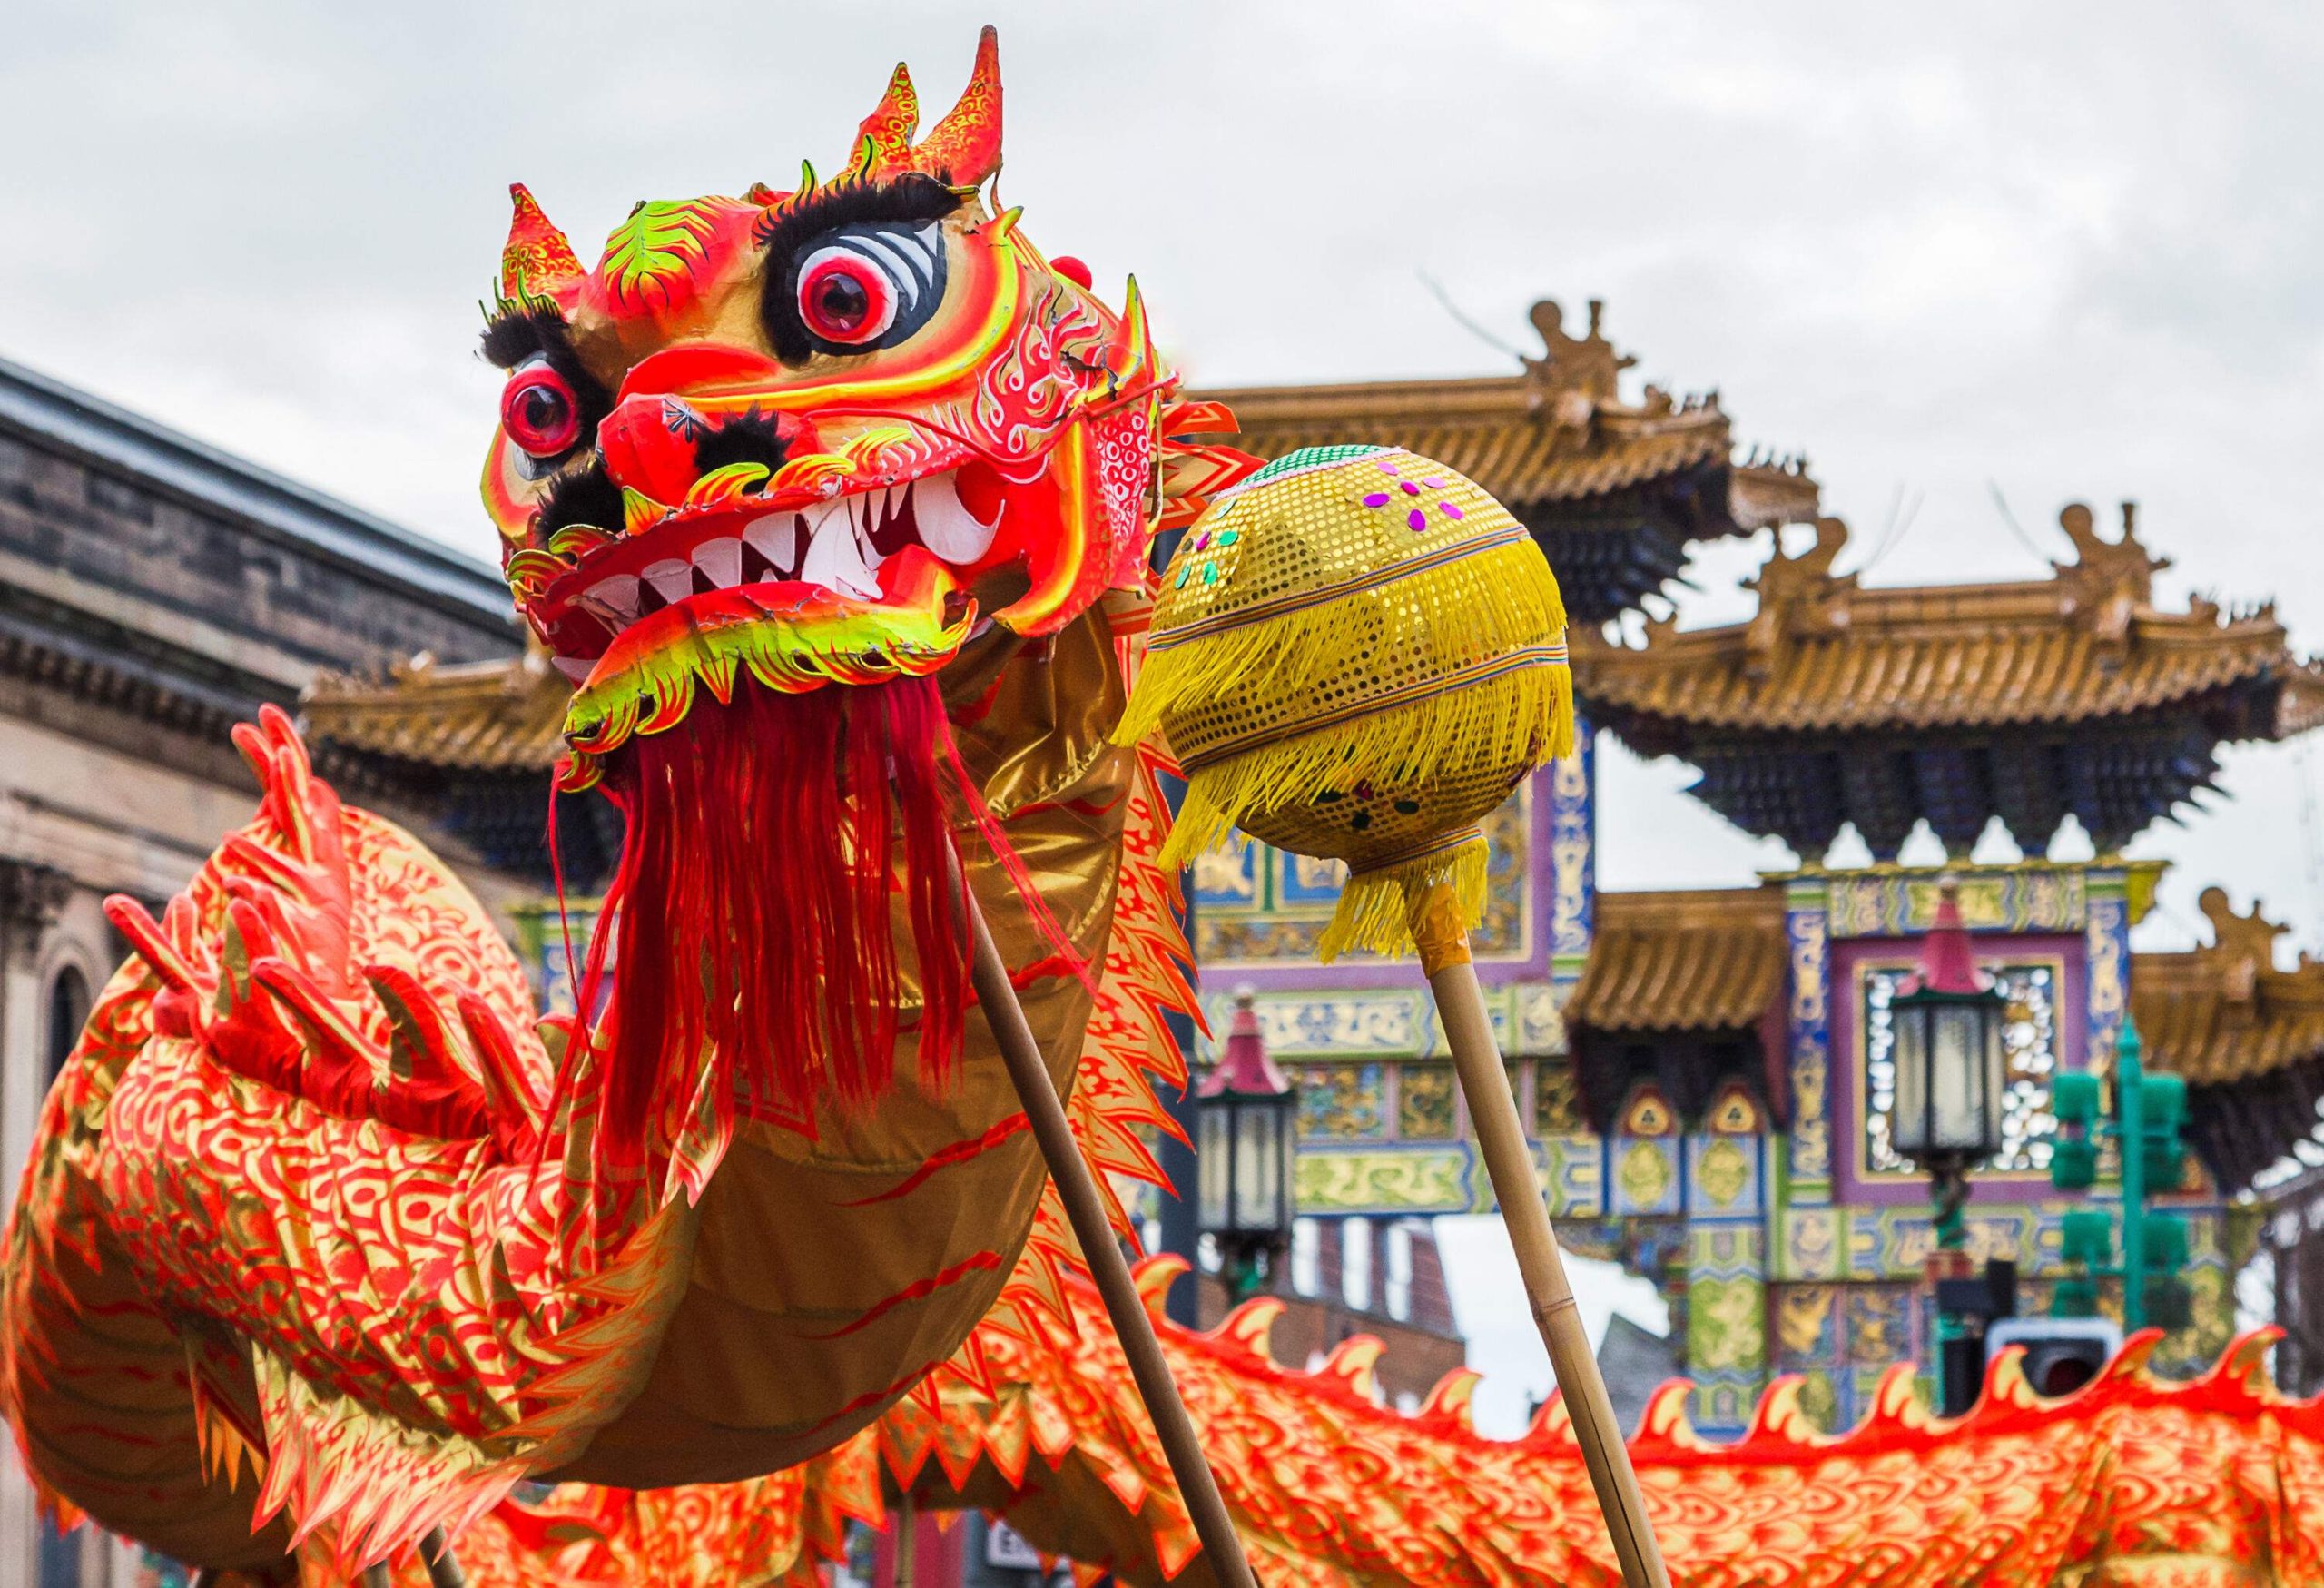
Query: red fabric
x=758, y=858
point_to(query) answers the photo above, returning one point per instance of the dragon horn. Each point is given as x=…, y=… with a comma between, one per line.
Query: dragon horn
x=889, y=129
x=965, y=147
x=536, y=262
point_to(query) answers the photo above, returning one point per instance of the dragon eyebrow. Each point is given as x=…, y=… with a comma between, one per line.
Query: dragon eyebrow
x=911, y=197
x=518, y=329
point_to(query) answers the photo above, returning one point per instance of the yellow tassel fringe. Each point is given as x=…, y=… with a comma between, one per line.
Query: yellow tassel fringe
x=1510, y=724
x=1375, y=910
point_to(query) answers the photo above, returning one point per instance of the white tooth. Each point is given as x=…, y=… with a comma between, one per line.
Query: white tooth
x=946, y=527
x=617, y=594
x=775, y=538
x=814, y=518
x=673, y=579
x=572, y=668
x=836, y=562
x=722, y=559
x=896, y=498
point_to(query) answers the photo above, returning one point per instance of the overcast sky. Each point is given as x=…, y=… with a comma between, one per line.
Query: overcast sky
x=2067, y=250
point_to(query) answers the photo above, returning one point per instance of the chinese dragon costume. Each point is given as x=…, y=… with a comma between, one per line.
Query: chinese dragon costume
x=836, y=504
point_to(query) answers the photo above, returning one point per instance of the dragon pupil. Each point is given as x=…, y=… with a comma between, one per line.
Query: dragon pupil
x=842, y=304
x=544, y=410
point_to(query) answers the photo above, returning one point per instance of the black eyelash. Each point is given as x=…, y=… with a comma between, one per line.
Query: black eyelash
x=912, y=197
x=586, y=497
x=517, y=332
x=521, y=333
x=907, y=200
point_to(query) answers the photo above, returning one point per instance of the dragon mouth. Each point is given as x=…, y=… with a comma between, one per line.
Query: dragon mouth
x=852, y=587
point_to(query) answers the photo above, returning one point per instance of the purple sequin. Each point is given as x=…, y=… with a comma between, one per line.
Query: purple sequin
x=1417, y=519
x=1449, y=510
x=1434, y=483
x=1202, y=541
x=1378, y=498
x=1387, y=469
x=1411, y=489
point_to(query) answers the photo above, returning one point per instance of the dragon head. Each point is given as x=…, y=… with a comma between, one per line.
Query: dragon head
x=815, y=437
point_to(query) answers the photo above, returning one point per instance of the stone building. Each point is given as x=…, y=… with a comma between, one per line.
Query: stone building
x=154, y=592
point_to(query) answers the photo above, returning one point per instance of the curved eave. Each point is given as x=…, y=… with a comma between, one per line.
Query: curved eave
x=503, y=716
x=1709, y=682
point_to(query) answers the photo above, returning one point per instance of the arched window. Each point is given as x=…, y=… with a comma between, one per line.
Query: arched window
x=68, y=1009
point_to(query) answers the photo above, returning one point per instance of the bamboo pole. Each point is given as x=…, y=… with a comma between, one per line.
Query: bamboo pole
x=443, y=1565
x=1444, y=943
x=1077, y=1188
x=907, y=1544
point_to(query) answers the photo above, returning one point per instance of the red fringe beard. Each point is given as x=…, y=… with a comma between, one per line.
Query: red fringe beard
x=765, y=839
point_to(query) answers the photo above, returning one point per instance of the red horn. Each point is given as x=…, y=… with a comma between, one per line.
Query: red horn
x=889, y=129
x=536, y=262
x=965, y=147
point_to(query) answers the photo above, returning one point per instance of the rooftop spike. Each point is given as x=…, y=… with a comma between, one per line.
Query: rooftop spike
x=965, y=147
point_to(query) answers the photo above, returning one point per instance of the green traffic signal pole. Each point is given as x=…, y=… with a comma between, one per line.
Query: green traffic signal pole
x=2130, y=1076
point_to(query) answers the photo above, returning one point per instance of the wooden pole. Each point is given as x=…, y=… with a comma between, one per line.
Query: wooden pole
x=1444, y=943
x=1077, y=1188
x=443, y=1565
x=907, y=1542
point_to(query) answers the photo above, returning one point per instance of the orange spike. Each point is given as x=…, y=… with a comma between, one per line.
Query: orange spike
x=889, y=128
x=537, y=261
x=1455, y=1396
x=1154, y=1277
x=965, y=147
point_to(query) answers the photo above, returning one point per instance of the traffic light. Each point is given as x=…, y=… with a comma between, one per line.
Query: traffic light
x=2162, y=1117
x=2150, y=1126
x=2086, y=1236
x=2073, y=1157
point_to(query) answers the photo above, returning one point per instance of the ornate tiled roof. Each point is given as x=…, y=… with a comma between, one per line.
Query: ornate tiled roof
x=1561, y=446
x=2073, y=694
x=2225, y=1014
x=1823, y=653
x=480, y=716
x=1701, y=959
x=2248, y=1037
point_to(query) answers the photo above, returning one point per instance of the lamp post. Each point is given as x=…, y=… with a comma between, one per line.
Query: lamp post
x=1950, y=1071
x=1243, y=1158
x=1950, y=1075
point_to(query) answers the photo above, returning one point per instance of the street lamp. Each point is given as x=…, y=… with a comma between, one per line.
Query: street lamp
x=1950, y=1070
x=1243, y=1162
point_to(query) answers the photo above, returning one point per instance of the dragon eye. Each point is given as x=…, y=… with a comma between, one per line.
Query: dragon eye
x=845, y=297
x=854, y=288
x=539, y=412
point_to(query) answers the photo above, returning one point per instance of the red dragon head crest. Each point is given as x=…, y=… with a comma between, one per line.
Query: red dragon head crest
x=811, y=436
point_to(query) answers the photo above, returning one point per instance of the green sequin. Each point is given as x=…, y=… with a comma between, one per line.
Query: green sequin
x=1309, y=457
